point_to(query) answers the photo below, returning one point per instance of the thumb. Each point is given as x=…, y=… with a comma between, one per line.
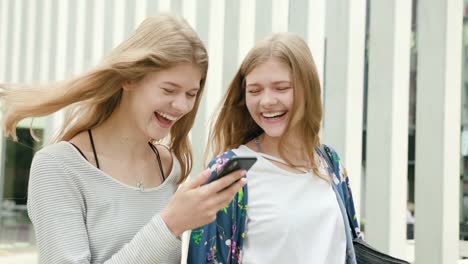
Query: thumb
x=199, y=180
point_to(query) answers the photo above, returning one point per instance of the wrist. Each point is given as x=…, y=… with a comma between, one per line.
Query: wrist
x=170, y=223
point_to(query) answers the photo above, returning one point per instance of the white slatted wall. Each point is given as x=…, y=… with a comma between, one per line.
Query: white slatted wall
x=42, y=40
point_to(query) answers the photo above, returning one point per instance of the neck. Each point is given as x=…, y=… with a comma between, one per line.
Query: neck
x=291, y=146
x=118, y=136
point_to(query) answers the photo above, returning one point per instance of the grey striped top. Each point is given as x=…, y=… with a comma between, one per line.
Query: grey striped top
x=82, y=215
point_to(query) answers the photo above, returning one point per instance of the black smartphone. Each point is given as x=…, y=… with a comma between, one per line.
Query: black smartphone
x=236, y=163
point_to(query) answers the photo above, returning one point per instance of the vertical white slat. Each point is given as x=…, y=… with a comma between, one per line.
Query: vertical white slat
x=45, y=62
x=88, y=35
x=215, y=71
x=189, y=8
x=78, y=61
x=152, y=7
x=28, y=68
x=130, y=15
x=164, y=6
x=56, y=59
x=9, y=41
x=61, y=39
x=231, y=42
x=199, y=130
x=189, y=13
x=387, y=126
x=15, y=54
x=72, y=18
x=4, y=17
x=140, y=11
x=23, y=40
x=45, y=39
x=343, y=93
x=108, y=21
x=246, y=28
x=316, y=35
x=98, y=32
x=176, y=7
x=4, y=26
x=298, y=17
x=37, y=47
x=263, y=19
x=53, y=40
x=119, y=21
x=280, y=15
x=438, y=97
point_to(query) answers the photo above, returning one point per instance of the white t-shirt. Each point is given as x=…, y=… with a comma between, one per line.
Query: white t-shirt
x=291, y=217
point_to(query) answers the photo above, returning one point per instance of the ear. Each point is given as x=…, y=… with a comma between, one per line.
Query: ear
x=129, y=85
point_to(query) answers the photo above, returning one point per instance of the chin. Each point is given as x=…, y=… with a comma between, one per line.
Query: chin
x=157, y=134
x=274, y=133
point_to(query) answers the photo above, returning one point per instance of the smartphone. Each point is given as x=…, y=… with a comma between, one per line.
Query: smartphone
x=236, y=163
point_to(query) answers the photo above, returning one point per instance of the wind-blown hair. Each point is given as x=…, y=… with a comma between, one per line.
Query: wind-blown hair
x=159, y=43
x=234, y=125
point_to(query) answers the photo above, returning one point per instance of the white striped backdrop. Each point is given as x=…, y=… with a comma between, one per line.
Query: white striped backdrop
x=42, y=40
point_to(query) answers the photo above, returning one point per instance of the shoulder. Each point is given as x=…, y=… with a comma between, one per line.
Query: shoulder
x=56, y=161
x=57, y=151
x=332, y=153
x=49, y=167
x=338, y=171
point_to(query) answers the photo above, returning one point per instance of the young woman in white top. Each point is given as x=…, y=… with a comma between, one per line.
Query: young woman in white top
x=272, y=110
x=105, y=192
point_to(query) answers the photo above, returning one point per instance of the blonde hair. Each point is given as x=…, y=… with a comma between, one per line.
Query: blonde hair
x=158, y=43
x=234, y=125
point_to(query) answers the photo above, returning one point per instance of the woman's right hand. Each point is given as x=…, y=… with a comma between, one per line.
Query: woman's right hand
x=193, y=205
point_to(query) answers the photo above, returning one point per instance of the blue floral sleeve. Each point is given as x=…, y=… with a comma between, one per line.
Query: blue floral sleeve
x=341, y=181
x=221, y=241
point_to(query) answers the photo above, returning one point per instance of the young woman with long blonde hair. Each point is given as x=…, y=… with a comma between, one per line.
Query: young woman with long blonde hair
x=288, y=212
x=104, y=192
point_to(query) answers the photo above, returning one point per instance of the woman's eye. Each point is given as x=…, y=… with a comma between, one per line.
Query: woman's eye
x=283, y=88
x=253, y=91
x=191, y=95
x=168, y=91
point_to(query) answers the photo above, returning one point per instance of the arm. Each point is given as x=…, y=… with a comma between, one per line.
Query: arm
x=349, y=201
x=58, y=211
x=344, y=187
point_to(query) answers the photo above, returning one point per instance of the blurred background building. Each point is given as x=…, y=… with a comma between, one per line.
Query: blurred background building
x=395, y=90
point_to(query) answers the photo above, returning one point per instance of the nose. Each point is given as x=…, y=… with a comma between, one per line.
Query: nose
x=181, y=104
x=268, y=98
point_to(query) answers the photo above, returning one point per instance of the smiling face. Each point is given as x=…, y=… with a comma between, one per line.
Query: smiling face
x=161, y=98
x=269, y=96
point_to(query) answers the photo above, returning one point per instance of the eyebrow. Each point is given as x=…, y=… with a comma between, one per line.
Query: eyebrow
x=275, y=83
x=178, y=86
x=281, y=82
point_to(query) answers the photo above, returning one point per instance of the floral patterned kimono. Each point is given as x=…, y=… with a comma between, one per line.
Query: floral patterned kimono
x=221, y=241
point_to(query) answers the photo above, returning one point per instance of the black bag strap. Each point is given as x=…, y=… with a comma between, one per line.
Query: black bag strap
x=326, y=155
